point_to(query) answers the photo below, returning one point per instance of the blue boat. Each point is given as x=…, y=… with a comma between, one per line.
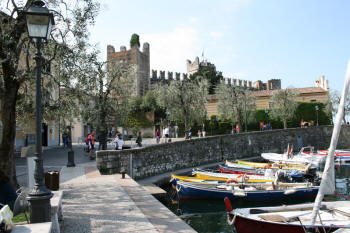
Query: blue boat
x=262, y=192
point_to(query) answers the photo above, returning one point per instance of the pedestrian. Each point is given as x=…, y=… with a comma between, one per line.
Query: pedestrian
x=118, y=140
x=64, y=139
x=261, y=125
x=166, y=133
x=199, y=133
x=203, y=130
x=139, y=139
x=176, y=128
x=189, y=134
x=157, y=136
x=91, y=139
x=237, y=128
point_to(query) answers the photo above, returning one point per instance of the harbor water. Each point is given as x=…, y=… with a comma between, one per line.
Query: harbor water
x=209, y=216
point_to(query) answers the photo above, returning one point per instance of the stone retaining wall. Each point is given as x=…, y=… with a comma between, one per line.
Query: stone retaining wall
x=167, y=157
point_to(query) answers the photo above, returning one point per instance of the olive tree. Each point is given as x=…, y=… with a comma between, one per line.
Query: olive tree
x=17, y=65
x=283, y=104
x=184, y=100
x=235, y=103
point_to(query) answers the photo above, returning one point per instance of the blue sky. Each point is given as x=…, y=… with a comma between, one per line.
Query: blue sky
x=294, y=40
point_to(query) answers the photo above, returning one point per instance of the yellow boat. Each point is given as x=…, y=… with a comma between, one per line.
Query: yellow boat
x=299, y=167
x=212, y=177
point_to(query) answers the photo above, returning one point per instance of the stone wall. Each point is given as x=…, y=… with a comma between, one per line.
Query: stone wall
x=163, y=158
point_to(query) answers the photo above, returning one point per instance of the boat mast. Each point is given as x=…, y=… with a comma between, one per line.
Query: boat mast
x=328, y=178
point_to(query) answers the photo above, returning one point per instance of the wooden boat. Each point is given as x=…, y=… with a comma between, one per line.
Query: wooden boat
x=291, y=218
x=300, y=159
x=298, y=167
x=202, y=176
x=245, y=192
x=241, y=170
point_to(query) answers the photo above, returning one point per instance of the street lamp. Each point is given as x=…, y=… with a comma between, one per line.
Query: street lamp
x=316, y=108
x=39, y=25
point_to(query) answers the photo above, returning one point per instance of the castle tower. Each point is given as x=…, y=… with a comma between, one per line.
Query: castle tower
x=134, y=56
x=192, y=67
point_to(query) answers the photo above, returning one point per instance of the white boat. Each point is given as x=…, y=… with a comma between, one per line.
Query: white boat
x=315, y=217
x=303, y=159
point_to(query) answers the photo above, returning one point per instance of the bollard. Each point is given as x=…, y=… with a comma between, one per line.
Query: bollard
x=70, y=159
x=123, y=172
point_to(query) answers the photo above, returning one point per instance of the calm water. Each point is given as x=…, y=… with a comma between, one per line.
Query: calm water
x=210, y=216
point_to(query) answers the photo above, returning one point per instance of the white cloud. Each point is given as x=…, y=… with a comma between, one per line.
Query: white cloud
x=170, y=50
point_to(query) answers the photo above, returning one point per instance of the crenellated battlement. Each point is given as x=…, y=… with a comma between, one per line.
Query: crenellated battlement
x=162, y=77
x=238, y=83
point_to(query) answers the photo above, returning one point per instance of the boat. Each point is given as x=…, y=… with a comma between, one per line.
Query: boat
x=241, y=170
x=291, y=218
x=205, y=177
x=275, y=166
x=300, y=159
x=245, y=192
x=315, y=217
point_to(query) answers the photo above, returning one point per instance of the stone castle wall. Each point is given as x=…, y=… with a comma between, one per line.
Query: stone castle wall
x=168, y=157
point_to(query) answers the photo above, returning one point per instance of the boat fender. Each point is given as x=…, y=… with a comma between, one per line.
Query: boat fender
x=239, y=194
x=289, y=191
x=230, y=217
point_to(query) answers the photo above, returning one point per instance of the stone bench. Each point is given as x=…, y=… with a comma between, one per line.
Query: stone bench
x=44, y=227
x=56, y=210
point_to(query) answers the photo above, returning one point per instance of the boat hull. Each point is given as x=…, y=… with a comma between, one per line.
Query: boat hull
x=247, y=225
x=188, y=191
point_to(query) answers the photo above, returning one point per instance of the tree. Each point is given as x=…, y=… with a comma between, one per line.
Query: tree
x=208, y=72
x=16, y=58
x=134, y=41
x=334, y=101
x=235, y=103
x=283, y=104
x=184, y=101
x=106, y=93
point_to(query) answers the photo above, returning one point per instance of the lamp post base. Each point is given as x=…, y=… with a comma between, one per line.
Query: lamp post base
x=40, y=208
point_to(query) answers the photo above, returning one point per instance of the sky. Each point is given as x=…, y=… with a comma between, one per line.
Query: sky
x=296, y=41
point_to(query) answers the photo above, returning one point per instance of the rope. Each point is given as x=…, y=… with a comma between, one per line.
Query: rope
x=178, y=187
x=231, y=221
x=343, y=196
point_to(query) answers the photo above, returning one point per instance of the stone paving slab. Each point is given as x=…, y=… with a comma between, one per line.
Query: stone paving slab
x=163, y=219
x=95, y=203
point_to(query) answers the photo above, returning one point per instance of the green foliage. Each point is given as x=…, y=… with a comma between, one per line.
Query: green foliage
x=136, y=121
x=184, y=101
x=283, y=105
x=209, y=73
x=135, y=40
x=235, y=103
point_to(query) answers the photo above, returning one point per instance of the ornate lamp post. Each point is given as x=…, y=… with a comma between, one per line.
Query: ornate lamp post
x=316, y=108
x=39, y=25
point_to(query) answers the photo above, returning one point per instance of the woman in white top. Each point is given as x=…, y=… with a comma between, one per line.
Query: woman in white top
x=118, y=140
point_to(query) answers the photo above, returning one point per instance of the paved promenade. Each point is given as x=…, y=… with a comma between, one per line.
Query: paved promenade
x=96, y=203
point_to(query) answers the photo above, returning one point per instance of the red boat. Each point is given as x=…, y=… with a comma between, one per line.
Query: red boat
x=289, y=219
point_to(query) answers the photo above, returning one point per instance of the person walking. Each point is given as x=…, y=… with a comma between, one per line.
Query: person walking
x=139, y=139
x=166, y=133
x=157, y=136
x=176, y=128
x=203, y=130
x=64, y=139
x=91, y=139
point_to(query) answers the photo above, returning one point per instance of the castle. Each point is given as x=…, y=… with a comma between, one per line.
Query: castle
x=134, y=56
x=146, y=81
